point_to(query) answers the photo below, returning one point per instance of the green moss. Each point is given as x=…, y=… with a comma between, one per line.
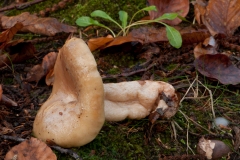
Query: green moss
x=83, y=8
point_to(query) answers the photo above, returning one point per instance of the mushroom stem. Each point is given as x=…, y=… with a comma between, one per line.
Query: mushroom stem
x=74, y=113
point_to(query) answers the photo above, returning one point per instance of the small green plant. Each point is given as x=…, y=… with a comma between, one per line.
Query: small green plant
x=173, y=35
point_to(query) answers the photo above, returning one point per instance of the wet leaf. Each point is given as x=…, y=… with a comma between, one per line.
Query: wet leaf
x=220, y=16
x=219, y=67
x=31, y=23
x=31, y=149
x=169, y=6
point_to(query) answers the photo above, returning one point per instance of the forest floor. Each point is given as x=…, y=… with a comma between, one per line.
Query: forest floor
x=202, y=99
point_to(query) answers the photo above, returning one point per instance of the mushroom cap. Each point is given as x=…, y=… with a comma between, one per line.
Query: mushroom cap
x=74, y=113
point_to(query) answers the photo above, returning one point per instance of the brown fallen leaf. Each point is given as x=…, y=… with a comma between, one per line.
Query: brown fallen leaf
x=169, y=6
x=96, y=43
x=30, y=150
x=220, y=17
x=7, y=35
x=18, y=53
x=46, y=26
x=40, y=70
x=219, y=67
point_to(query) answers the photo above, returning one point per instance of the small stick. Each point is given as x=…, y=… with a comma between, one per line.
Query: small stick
x=20, y=6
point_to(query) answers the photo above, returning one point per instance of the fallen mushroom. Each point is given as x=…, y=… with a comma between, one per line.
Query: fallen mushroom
x=137, y=99
x=74, y=113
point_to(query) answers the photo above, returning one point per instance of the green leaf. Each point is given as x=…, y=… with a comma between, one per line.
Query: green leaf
x=123, y=16
x=169, y=16
x=149, y=8
x=87, y=21
x=101, y=14
x=173, y=36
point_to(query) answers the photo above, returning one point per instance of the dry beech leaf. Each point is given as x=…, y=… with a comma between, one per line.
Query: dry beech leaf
x=220, y=17
x=18, y=53
x=7, y=35
x=169, y=6
x=40, y=70
x=30, y=150
x=219, y=67
x=46, y=26
x=96, y=43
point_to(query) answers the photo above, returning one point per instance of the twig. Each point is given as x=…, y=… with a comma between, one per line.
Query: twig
x=211, y=98
x=62, y=150
x=12, y=138
x=67, y=151
x=188, y=142
x=20, y=6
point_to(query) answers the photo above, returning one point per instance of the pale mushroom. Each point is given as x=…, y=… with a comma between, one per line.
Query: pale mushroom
x=137, y=99
x=74, y=113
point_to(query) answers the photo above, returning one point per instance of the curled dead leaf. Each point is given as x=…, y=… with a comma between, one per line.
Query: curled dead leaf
x=46, y=26
x=31, y=149
x=100, y=42
x=220, y=17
